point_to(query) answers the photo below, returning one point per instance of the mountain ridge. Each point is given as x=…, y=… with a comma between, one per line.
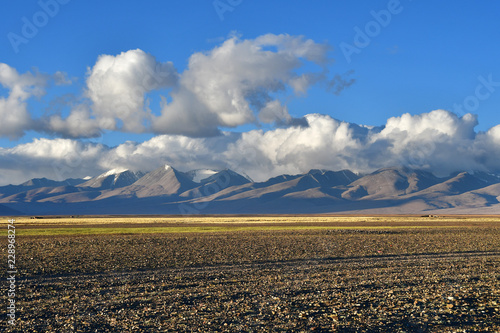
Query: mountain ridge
x=167, y=190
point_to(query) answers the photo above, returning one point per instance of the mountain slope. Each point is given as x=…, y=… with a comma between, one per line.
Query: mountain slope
x=390, y=183
x=114, y=178
x=282, y=185
x=477, y=198
x=215, y=183
x=44, y=182
x=7, y=211
x=458, y=184
x=37, y=183
x=164, y=181
x=39, y=194
x=199, y=175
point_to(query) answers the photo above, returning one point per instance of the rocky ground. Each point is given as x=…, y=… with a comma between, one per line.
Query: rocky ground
x=395, y=280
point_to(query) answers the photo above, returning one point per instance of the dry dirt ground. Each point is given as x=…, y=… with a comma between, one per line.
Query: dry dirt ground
x=402, y=279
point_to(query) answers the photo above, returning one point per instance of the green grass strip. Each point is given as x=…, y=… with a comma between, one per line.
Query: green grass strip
x=158, y=230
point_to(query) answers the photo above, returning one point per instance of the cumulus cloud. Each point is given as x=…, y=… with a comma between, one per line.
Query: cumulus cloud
x=241, y=81
x=56, y=159
x=237, y=83
x=15, y=118
x=61, y=79
x=79, y=124
x=274, y=111
x=117, y=86
x=438, y=141
x=341, y=82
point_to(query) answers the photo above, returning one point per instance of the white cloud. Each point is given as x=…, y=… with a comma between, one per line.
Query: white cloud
x=494, y=134
x=117, y=86
x=14, y=116
x=56, y=159
x=295, y=47
x=274, y=111
x=61, y=79
x=438, y=141
x=235, y=82
x=78, y=124
x=323, y=144
x=439, y=122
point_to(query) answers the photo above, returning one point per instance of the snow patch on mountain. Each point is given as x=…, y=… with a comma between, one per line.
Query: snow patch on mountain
x=199, y=175
x=118, y=177
x=115, y=172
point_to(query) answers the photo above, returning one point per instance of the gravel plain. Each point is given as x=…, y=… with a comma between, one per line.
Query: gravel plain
x=338, y=280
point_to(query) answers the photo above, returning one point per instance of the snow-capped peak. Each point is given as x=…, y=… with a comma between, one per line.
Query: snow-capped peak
x=167, y=167
x=115, y=171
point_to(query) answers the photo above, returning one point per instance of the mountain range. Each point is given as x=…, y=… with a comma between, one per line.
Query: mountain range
x=395, y=190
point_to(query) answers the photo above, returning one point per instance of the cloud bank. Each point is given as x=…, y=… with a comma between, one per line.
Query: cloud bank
x=438, y=141
x=14, y=116
x=237, y=82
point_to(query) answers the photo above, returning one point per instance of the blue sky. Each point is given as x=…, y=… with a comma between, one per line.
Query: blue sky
x=428, y=55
